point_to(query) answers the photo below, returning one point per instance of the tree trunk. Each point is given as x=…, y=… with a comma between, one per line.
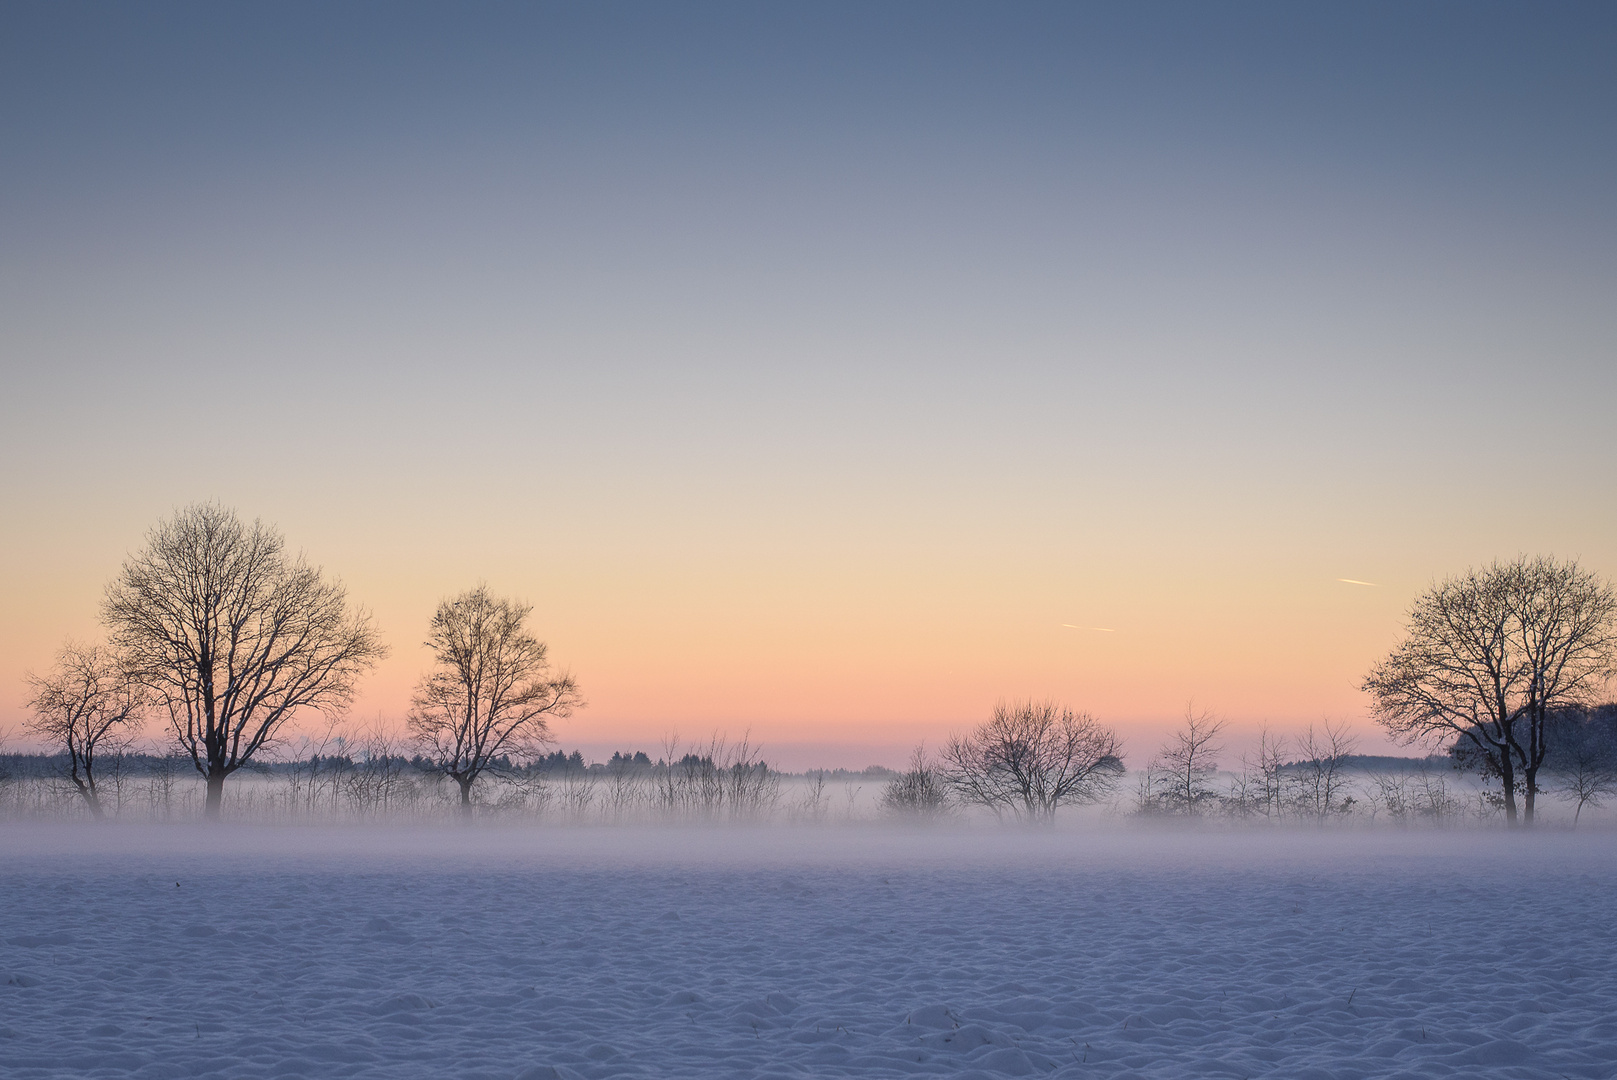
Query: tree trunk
x=211, y=808
x=1507, y=777
x=465, y=797
x=1531, y=776
x=87, y=790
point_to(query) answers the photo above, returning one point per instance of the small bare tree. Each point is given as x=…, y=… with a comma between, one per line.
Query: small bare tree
x=1588, y=777
x=919, y=792
x=88, y=702
x=1489, y=656
x=1031, y=759
x=814, y=804
x=491, y=694
x=1184, y=768
x=1269, y=771
x=625, y=792
x=751, y=787
x=377, y=778
x=233, y=638
x=1319, y=777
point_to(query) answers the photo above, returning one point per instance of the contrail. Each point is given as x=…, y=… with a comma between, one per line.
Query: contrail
x=1102, y=629
x=1351, y=581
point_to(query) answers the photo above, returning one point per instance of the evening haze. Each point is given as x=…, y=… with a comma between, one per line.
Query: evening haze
x=829, y=372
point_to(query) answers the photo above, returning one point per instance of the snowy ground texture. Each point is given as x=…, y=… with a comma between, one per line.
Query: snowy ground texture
x=133, y=951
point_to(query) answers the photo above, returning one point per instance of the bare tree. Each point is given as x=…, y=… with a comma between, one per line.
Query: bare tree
x=1409, y=796
x=1184, y=768
x=1319, y=777
x=751, y=787
x=88, y=702
x=718, y=780
x=814, y=805
x=1565, y=623
x=491, y=694
x=1588, y=773
x=377, y=779
x=1587, y=781
x=625, y=785
x=233, y=637
x=1031, y=759
x=1489, y=655
x=920, y=792
x=1269, y=768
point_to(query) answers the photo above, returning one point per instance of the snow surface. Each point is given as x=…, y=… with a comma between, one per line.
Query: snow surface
x=159, y=952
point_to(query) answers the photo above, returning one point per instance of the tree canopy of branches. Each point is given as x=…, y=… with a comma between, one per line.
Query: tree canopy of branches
x=1030, y=759
x=1489, y=655
x=232, y=637
x=491, y=693
x=88, y=701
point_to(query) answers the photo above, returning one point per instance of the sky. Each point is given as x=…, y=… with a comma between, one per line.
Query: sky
x=825, y=372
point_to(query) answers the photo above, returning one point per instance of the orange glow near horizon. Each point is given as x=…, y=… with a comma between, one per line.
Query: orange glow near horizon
x=844, y=658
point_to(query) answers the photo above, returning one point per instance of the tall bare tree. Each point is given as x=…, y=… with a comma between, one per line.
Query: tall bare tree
x=1031, y=759
x=491, y=693
x=1489, y=655
x=88, y=702
x=1183, y=769
x=233, y=637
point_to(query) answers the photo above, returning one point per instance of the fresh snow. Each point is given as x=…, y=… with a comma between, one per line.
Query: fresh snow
x=476, y=952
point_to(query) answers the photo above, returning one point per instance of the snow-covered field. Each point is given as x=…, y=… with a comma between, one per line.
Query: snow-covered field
x=482, y=952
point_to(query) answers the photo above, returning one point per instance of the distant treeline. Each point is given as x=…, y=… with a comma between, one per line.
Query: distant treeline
x=557, y=762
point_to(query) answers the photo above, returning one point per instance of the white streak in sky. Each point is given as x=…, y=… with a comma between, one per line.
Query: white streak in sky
x=1102, y=629
x=1351, y=581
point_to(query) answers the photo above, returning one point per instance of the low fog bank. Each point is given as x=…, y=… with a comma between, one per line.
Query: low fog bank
x=134, y=849
x=1419, y=794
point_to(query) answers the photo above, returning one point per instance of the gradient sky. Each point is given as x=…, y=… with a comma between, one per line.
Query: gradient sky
x=824, y=370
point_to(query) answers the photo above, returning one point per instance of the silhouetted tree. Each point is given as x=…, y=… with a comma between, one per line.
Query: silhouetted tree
x=1319, y=776
x=921, y=791
x=1583, y=754
x=1488, y=656
x=232, y=637
x=1182, y=772
x=1268, y=772
x=491, y=693
x=1031, y=759
x=87, y=702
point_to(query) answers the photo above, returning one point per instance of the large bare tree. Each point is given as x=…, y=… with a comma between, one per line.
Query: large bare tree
x=1489, y=655
x=88, y=702
x=1032, y=758
x=233, y=637
x=491, y=693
